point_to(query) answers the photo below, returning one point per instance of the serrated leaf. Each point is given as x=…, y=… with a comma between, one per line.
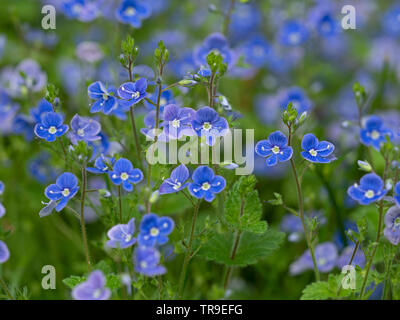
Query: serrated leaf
x=73, y=281
x=252, y=247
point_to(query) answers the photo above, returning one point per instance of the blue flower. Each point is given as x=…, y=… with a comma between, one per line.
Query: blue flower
x=2, y=209
x=133, y=92
x=256, y=51
x=154, y=230
x=391, y=21
x=374, y=132
x=33, y=78
x=176, y=182
x=177, y=121
x=315, y=151
x=101, y=165
x=216, y=43
x=205, y=184
x=297, y=97
x=293, y=33
x=347, y=253
x=124, y=173
x=147, y=261
x=50, y=126
x=392, y=225
x=207, y=123
x=133, y=12
x=40, y=168
x=370, y=189
x=42, y=107
x=85, y=129
x=150, y=132
x=64, y=189
x=275, y=149
x=106, y=101
x=94, y=288
x=1, y=188
x=322, y=18
x=325, y=256
x=166, y=98
x=121, y=235
x=245, y=19
x=397, y=194
x=4, y=252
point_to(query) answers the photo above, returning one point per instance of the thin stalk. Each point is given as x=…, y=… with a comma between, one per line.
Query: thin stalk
x=120, y=204
x=227, y=18
x=351, y=261
x=188, y=254
x=5, y=288
x=83, y=228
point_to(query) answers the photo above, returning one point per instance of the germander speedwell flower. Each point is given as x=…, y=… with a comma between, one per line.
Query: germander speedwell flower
x=205, y=184
x=154, y=230
x=121, y=235
x=316, y=151
x=369, y=190
x=275, y=148
x=64, y=189
x=124, y=173
x=176, y=182
x=94, y=288
x=50, y=126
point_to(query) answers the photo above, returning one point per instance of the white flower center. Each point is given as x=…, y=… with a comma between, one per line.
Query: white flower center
x=375, y=134
x=124, y=176
x=205, y=186
x=369, y=194
x=321, y=261
x=52, y=130
x=313, y=152
x=105, y=96
x=143, y=264
x=397, y=222
x=176, y=123
x=135, y=95
x=128, y=238
x=163, y=101
x=177, y=185
x=130, y=11
x=97, y=293
x=65, y=192
x=207, y=126
x=275, y=149
x=154, y=232
x=81, y=132
x=294, y=38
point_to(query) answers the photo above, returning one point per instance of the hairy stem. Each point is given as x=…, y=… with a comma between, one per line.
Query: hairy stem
x=120, y=204
x=83, y=228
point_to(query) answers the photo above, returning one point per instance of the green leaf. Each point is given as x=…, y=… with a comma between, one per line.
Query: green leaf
x=73, y=281
x=252, y=247
x=243, y=209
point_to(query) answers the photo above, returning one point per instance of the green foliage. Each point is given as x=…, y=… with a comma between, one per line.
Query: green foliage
x=243, y=208
x=252, y=248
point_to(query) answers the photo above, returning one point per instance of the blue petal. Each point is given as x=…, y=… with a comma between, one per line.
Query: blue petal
x=203, y=174
x=127, y=186
x=371, y=181
x=123, y=165
x=206, y=114
x=277, y=138
x=96, y=90
x=196, y=190
x=135, y=176
x=325, y=148
x=218, y=184
x=62, y=204
x=263, y=148
x=272, y=160
x=180, y=173
x=285, y=154
x=165, y=225
x=53, y=192
x=309, y=142
x=67, y=180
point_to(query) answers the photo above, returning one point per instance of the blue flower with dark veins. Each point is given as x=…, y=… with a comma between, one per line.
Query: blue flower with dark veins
x=275, y=149
x=392, y=225
x=317, y=151
x=124, y=173
x=85, y=129
x=208, y=124
x=293, y=33
x=106, y=101
x=50, y=126
x=133, y=12
x=64, y=189
x=374, y=132
x=133, y=92
x=370, y=189
x=150, y=131
x=177, y=122
x=147, y=261
x=4, y=252
x=101, y=165
x=94, y=288
x=206, y=184
x=154, y=230
x=396, y=195
x=176, y=182
x=121, y=235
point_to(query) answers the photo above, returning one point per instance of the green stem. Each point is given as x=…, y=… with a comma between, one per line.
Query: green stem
x=227, y=19
x=83, y=228
x=5, y=288
x=120, y=204
x=188, y=254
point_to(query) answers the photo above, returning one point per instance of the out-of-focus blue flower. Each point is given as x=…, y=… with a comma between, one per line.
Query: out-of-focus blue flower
x=101, y=165
x=325, y=256
x=106, y=101
x=391, y=20
x=292, y=225
x=176, y=182
x=40, y=168
x=166, y=98
x=94, y=288
x=297, y=97
x=322, y=19
x=42, y=107
x=256, y=51
x=183, y=65
x=316, y=151
x=89, y=51
x=370, y=189
x=396, y=195
x=392, y=225
x=133, y=12
x=133, y=92
x=275, y=149
x=4, y=252
x=245, y=19
x=50, y=126
x=8, y=110
x=345, y=257
x=208, y=124
x=293, y=33
x=216, y=43
x=206, y=184
x=85, y=129
x=124, y=173
x=150, y=131
x=2, y=209
x=154, y=230
x=374, y=132
x=146, y=261
x=29, y=76
x=121, y=235
x=64, y=189
x=83, y=10
x=177, y=122
x=102, y=146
